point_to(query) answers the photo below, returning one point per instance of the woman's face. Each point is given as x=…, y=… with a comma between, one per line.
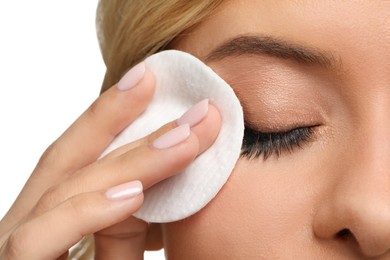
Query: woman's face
x=314, y=78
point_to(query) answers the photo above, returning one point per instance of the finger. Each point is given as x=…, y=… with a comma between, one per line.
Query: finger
x=50, y=235
x=207, y=130
x=153, y=165
x=92, y=132
x=209, y=124
x=134, y=234
x=83, y=142
x=144, y=163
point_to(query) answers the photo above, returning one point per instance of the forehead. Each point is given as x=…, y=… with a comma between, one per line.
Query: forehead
x=357, y=33
x=352, y=27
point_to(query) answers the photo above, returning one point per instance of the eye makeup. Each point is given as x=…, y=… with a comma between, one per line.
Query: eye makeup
x=281, y=101
x=256, y=144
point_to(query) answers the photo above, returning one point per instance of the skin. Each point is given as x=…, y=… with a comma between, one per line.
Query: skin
x=70, y=183
x=329, y=199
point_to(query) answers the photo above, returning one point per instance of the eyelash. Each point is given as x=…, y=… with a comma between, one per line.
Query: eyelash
x=257, y=143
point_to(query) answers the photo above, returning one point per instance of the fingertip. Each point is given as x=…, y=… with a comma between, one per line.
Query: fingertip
x=215, y=116
x=149, y=80
x=208, y=129
x=132, y=77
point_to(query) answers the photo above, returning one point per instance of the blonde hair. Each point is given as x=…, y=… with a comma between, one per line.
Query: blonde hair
x=131, y=30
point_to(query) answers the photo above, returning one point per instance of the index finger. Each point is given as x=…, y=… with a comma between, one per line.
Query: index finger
x=83, y=142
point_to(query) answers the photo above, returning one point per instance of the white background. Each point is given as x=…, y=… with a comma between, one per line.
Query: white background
x=50, y=71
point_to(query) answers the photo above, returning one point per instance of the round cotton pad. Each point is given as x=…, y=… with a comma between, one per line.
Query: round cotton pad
x=182, y=81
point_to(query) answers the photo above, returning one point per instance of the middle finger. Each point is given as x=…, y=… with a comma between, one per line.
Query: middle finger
x=145, y=163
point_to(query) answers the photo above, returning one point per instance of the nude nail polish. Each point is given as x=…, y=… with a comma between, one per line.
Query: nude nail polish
x=195, y=114
x=124, y=191
x=172, y=137
x=132, y=77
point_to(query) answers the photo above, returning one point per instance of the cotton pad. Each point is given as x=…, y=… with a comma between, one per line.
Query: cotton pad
x=182, y=81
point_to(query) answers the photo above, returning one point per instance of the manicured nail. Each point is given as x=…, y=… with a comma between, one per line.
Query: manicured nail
x=132, y=77
x=124, y=191
x=173, y=137
x=195, y=114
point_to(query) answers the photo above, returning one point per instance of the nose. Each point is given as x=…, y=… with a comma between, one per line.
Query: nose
x=357, y=209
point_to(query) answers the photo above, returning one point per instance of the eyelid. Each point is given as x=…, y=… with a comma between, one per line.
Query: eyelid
x=280, y=129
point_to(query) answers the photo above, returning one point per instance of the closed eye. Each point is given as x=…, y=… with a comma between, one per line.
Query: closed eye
x=256, y=143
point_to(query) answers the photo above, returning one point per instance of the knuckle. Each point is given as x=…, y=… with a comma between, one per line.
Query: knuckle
x=93, y=109
x=78, y=207
x=50, y=156
x=153, y=136
x=74, y=206
x=48, y=200
x=122, y=166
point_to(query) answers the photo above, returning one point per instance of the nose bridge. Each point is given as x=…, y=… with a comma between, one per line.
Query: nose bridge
x=371, y=136
x=368, y=150
x=367, y=176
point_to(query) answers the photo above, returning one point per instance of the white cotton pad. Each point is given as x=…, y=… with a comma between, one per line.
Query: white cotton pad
x=182, y=81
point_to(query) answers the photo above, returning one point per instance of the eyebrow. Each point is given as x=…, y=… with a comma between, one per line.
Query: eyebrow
x=260, y=45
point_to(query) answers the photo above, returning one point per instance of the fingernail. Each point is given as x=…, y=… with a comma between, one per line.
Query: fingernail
x=173, y=137
x=195, y=114
x=124, y=191
x=132, y=77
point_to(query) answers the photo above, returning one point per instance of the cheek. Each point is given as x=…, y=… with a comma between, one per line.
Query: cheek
x=251, y=215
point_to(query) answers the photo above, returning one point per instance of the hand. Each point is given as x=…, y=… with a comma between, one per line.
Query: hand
x=71, y=194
